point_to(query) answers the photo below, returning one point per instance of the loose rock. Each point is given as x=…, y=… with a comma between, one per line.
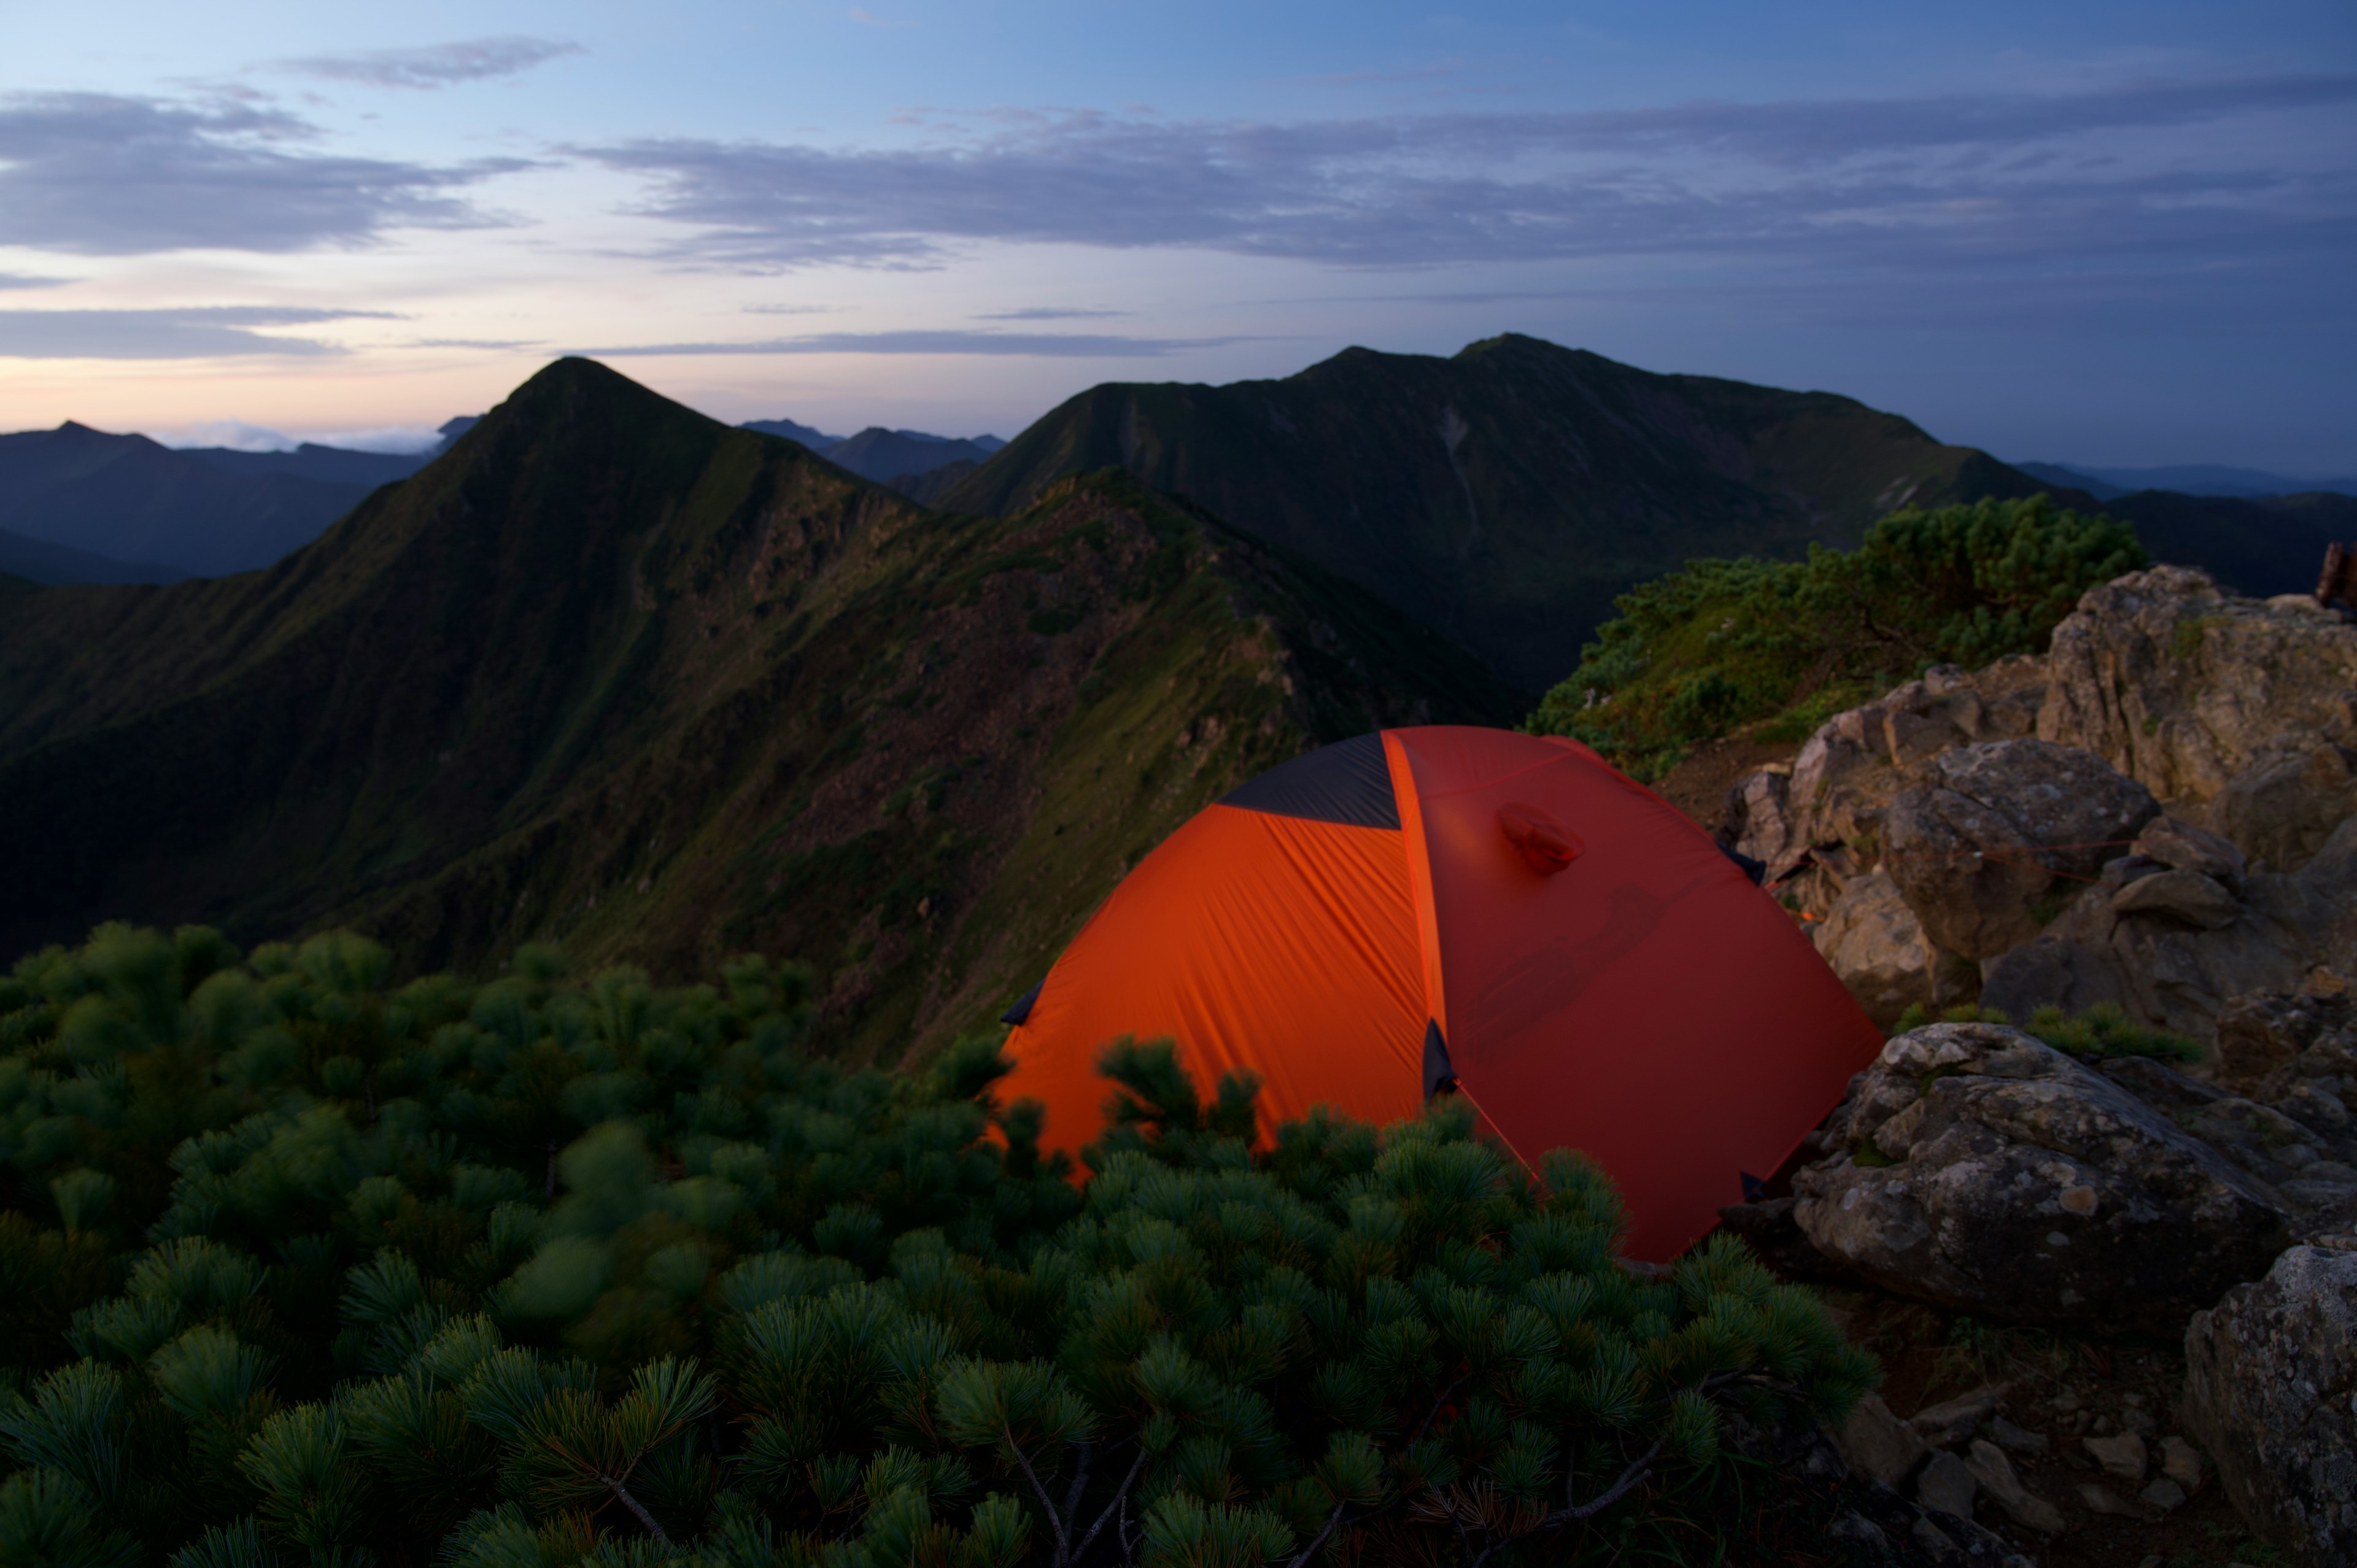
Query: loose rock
x=2187, y=896
x=2104, y=1500
x=2182, y=1463
x=1946, y=1484
x=1949, y=1423
x=1995, y=1472
x=1873, y=1442
x=2168, y=840
x=2123, y=1455
x=2010, y=1437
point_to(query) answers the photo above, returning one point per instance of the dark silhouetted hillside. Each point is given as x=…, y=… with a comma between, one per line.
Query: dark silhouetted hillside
x=883, y=455
x=37, y=561
x=611, y=673
x=129, y=499
x=816, y=439
x=2269, y=544
x=886, y=455
x=2184, y=479
x=1505, y=494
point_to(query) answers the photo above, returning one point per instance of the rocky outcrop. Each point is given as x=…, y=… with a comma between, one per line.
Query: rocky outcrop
x=2246, y=705
x=1983, y=1171
x=1997, y=828
x=1873, y=941
x=2271, y=1391
x=2240, y=716
x=2176, y=956
x=1834, y=795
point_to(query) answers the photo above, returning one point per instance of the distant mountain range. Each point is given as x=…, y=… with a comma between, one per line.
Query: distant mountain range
x=114, y=509
x=1506, y=495
x=79, y=505
x=1503, y=495
x=609, y=671
x=2186, y=478
x=883, y=455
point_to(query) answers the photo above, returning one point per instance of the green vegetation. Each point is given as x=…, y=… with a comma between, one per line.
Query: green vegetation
x=2103, y=1030
x=300, y=1268
x=1726, y=643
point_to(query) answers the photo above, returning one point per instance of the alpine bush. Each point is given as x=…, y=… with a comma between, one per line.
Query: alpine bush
x=1724, y=643
x=540, y=1273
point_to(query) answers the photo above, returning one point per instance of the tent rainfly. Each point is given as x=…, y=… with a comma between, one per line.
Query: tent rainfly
x=1471, y=911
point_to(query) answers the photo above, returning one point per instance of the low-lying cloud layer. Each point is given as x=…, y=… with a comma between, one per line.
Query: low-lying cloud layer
x=218, y=331
x=97, y=173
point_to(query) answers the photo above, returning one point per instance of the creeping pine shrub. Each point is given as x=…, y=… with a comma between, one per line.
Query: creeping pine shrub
x=1724, y=643
x=549, y=1272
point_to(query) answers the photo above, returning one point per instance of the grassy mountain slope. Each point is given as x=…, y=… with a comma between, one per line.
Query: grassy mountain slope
x=611, y=672
x=1506, y=494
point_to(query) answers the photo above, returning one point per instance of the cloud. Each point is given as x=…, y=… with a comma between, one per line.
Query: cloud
x=235, y=434
x=95, y=174
x=1051, y=345
x=435, y=66
x=212, y=332
x=1047, y=313
x=26, y=279
x=239, y=436
x=789, y=310
x=861, y=15
x=404, y=439
x=2118, y=168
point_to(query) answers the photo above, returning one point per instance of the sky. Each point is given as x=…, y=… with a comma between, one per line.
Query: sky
x=2108, y=233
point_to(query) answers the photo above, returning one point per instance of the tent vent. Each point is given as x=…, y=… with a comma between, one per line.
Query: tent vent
x=1439, y=1078
x=1022, y=1008
x=1348, y=782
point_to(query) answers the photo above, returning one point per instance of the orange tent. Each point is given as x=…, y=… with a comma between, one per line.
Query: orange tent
x=1474, y=911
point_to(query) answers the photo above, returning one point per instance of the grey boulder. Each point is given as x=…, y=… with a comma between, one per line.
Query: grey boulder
x=1984, y=1172
x=2271, y=1374
x=2000, y=827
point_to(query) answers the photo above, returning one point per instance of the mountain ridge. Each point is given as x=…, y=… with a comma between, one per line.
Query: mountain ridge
x=1505, y=494
x=2188, y=479
x=881, y=455
x=611, y=672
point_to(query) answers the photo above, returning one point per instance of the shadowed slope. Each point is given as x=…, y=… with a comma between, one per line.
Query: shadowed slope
x=1506, y=494
x=612, y=672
